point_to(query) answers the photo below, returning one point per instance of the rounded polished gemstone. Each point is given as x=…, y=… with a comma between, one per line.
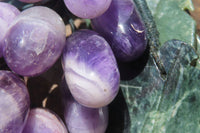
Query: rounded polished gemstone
x=87, y=8
x=80, y=119
x=14, y=103
x=34, y=41
x=8, y=13
x=123, y=28
x=43, y=121
x=90, y=69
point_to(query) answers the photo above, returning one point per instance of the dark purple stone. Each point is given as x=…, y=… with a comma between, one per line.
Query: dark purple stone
x=14, y=103
x=122, y=27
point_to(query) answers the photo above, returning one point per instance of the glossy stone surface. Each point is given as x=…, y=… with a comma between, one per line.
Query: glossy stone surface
x=123, y=28
x=43, y=121
x=87, y=8
x=7, y=14
x=34, y=41
x=90, y=69
x=80, y=119
x=14, y=103
x=177, y=97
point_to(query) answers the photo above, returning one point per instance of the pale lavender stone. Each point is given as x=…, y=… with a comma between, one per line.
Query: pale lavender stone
x=34, y=41
x=87, y=8
x=80, y=119
x=123, y=28
x=90, y=69
x=45, y=14
x=44, y=121
x=8, y=13
x=14, y=103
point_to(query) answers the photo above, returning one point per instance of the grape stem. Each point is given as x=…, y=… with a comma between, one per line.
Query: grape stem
x=152, y=34
x=72, y=25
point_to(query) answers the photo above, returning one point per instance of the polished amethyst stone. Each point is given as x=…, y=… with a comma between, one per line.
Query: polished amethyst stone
x=90, y=69
x=80, y=119
x=8, y=13
x=87, y=8
x=123, y=28
x=34, y=41
x=14, y=103
x=44, y=121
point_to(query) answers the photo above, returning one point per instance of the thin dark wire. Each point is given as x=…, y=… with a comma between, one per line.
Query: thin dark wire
x=73, y=27
x=152, y=34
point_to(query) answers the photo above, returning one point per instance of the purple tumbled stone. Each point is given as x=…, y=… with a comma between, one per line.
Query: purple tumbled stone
x=14, y=103
x=123, y=28
x=42, y=120
x=34, y=41
x=8, y=13
x=87, y=8
x=90, y=69
x=81, y=119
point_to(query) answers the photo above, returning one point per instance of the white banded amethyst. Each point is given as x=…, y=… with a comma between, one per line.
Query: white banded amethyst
x=34, y=41
x=90, y=69
x=87, y=8
x=122, y=27
x=8, y=13
x=81, y=119
x=42, y=120
x=14, y=103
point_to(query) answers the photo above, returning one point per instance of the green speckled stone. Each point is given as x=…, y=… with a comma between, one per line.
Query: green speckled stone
x=165, y=106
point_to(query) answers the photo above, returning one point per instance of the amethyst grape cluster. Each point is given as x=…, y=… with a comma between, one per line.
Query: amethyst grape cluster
x=32, y=40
